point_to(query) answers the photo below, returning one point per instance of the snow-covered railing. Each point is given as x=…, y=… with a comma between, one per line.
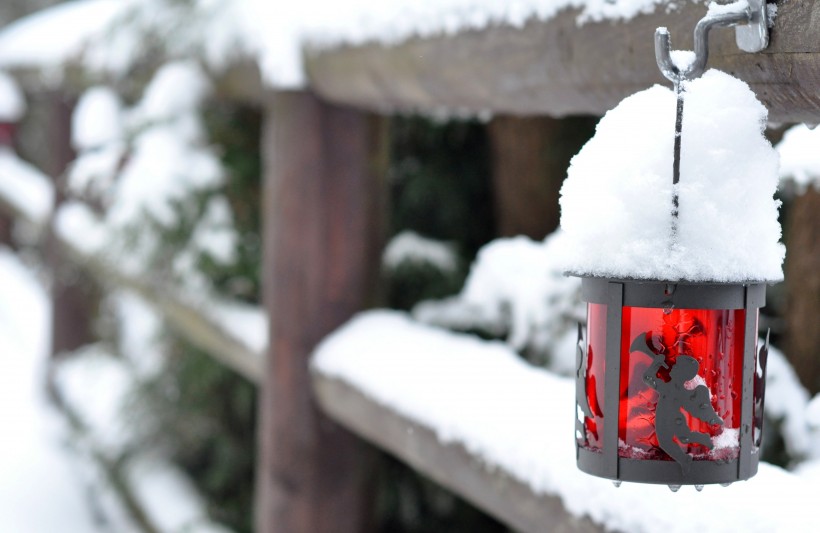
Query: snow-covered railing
x=27, y=195
x=416, y=404
x=548, y=59
x=476, y=418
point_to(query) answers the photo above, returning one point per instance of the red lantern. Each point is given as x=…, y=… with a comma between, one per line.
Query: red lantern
x=669, y=379
x=667, y=388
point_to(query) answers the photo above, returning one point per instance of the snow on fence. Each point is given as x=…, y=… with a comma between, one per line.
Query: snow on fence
x=476, y=418
x=232, y=333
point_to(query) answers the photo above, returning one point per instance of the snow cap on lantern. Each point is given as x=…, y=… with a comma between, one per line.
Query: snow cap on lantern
x=616, y=203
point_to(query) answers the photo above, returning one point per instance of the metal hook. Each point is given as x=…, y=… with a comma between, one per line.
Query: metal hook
x=751, y=35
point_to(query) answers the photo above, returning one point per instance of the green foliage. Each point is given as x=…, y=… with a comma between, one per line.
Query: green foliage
x=440, y=181
x=410, y=503
x=205, y=415
x=237, y=131
x=440, y=188
x=196, y=408
x=410, y=283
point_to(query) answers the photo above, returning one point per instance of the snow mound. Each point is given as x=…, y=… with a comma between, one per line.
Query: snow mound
x=517, y=284
x=787, y=402
x=54, y=36
x=616, y=203
x=12, y=103
x=800, y=156
x=519, y=418
x=97, y=120
x=28, y=190
x=410, y=247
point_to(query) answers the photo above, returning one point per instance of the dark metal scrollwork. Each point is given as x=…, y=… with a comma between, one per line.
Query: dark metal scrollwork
x=673, y=399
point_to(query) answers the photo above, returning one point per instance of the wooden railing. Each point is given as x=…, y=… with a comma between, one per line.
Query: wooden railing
x=324, y=220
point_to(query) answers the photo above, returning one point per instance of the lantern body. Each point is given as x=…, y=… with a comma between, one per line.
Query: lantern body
x=674, y=367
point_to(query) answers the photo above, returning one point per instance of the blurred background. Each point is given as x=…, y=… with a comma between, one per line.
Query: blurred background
x=131, y=249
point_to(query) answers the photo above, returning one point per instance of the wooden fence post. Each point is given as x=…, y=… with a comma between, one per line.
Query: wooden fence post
x=73, y=294
x=322, y=235
x=530, y=156
x=803, y=288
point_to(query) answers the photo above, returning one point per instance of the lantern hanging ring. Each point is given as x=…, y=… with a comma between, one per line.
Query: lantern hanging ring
x=751, y=34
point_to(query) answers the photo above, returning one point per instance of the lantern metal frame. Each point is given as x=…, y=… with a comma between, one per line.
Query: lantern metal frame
x=619, y=293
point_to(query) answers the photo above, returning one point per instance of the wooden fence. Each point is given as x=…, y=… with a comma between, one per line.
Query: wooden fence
x=324, y=202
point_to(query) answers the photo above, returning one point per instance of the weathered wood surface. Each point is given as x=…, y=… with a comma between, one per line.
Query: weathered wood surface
x=322, y=241
x=450, y=465
x=74, y=295
x=530, y=156
x=558, y=68
x=803, y=288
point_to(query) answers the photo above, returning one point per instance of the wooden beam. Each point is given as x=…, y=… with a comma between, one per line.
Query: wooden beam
x=451, y=465
x=558, y=68
x=185, y=318
x=322, y=241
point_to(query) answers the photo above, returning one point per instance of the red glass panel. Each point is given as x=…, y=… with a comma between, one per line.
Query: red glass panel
x=596, y=354
x=713, y=338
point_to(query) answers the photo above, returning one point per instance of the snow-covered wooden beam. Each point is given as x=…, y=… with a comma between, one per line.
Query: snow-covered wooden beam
x=558, y=67
x=449, y=464
x=27, y=199
x=189, y=320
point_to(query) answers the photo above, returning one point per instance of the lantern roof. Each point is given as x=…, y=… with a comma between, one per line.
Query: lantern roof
x=616, y=203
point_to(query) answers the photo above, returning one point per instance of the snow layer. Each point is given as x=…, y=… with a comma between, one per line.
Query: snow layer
x=112, y=33
x=97, y=119
x=51, y=37
x=278, y=33
x=800, y=156
x=787, y=402
x=98, y=387
x=616, y=203
x=145, y=166
x=12, y=103
x=246, y=323
x=517, y=284
x=520, y=419
x=410, y=247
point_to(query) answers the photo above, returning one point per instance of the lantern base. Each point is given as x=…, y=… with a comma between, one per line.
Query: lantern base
x=665, y=472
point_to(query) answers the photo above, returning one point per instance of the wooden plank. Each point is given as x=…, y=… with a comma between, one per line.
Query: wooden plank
x=558, y=68
x=449, y=464
x=322, y=241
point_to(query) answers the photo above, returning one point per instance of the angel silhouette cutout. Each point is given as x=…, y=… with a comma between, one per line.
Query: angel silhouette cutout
x=673, y=399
